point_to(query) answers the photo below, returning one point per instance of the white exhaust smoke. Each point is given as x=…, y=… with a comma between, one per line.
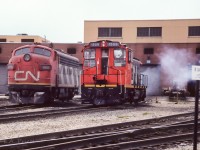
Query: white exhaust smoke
x=174, y=63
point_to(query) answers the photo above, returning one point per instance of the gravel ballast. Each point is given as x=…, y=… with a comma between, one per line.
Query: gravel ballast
x=155, y=107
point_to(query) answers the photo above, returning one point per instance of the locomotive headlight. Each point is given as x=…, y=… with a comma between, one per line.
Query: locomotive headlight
x=45, y=67
x=27, y=57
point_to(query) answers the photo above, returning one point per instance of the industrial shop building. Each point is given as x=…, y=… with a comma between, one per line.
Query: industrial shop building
x=148, y=38
x=152, y=40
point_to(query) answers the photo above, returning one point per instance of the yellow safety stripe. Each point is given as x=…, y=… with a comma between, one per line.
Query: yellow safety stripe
x=134, y=86
x=102, y=85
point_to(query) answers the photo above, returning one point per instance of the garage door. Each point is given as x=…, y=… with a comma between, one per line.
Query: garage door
x=3, y=79
x=153, y=72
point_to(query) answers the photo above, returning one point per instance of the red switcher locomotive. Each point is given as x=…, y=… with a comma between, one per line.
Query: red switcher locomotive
x=38, y=74
x=111, y=75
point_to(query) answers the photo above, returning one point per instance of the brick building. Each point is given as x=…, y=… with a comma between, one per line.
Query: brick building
x=149, y=39
x=23, y=37
x=154, y=41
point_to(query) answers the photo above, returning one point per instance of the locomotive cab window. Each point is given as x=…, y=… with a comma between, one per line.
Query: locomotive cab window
x=22, y=51
x=119, y=57
x=130, y=56
x=89, y=56
x=42, y=51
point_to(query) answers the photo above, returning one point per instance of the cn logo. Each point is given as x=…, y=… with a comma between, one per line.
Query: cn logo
x=36, y=78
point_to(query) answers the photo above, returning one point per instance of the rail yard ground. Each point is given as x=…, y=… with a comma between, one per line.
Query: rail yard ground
x=153, y=108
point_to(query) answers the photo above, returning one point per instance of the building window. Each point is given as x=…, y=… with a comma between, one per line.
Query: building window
x=71, y=50
x=198, y=50
x=148, y=60
x=2, y=40
x=148, y=50
x=142, y=31
x=149, y=31
x=27, y=40
x=155, y=31
x=194, y=31
x=109, y=32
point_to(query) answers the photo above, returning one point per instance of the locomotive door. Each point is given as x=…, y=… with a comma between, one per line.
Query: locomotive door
x=104, y=61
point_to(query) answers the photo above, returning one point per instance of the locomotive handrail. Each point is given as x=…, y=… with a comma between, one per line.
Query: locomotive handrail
x=145, y=79
x=114, y=69
x=125, y=82
x=119, y=78
x=88, y=69
x=141, y=80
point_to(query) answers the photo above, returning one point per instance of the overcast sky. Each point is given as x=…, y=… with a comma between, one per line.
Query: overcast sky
x=62, y=21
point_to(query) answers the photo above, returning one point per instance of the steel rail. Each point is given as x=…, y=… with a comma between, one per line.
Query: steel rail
x=17, y=107
x=144, y=144
x=124, y=139
x=31, y=115
x=89, y=132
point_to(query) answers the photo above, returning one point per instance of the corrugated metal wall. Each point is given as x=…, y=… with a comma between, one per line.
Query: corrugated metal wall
x=3, y=79
x=153, y=72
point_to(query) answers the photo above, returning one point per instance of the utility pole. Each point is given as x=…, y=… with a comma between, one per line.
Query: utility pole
x=196, y=116
x=196, y=76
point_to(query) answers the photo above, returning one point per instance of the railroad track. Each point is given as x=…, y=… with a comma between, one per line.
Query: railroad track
x=13, y=107
x=89, y=138
x=46, y=113
x=150, y=138
x=17, y=108
x=58, y=109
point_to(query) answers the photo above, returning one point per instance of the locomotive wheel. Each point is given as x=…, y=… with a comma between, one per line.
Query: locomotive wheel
x=136, y=102
x=70, y=96
x=130, y=100
x=122, y=101
x=49, y=99
x=99, y=102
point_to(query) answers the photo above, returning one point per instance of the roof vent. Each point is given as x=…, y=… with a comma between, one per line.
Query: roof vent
x=22, y=34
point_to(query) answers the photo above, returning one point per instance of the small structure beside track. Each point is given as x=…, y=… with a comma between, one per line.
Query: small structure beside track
x=175, y=92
